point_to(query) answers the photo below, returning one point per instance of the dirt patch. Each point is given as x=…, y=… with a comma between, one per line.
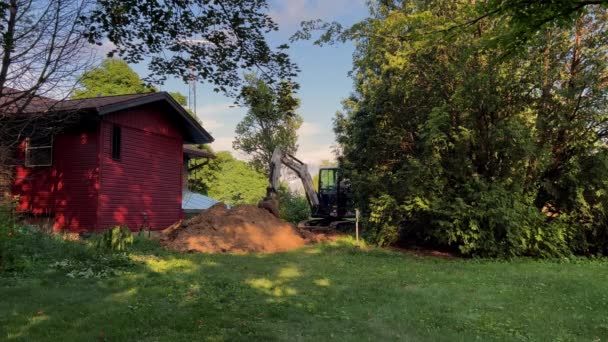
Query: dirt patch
x=243, y=229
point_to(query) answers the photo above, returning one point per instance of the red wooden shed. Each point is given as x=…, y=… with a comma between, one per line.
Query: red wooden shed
x=122, y=163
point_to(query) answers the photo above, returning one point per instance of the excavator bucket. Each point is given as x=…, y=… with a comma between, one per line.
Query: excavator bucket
x=272, y=205
x=270, y=202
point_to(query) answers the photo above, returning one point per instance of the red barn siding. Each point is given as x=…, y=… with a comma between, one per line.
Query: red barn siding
x=145, y=118
x=147, y=178
x=68, y=188
x=76, y=181
x=34, y=186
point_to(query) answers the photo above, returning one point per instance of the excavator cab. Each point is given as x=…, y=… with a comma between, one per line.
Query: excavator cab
x=334, y=195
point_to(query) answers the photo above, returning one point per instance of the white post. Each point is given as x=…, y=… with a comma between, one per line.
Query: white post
x=357, y=226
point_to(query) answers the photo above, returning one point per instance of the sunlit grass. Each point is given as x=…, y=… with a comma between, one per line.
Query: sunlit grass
x=332, y=291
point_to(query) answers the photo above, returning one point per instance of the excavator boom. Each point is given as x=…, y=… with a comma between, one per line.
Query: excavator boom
x=278, y=159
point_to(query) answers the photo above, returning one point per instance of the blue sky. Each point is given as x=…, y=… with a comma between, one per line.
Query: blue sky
x=323, y=79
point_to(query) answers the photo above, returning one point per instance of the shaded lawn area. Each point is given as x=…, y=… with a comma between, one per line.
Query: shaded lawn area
x=323, y=292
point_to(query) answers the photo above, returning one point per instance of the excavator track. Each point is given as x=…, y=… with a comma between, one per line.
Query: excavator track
x=325, y=225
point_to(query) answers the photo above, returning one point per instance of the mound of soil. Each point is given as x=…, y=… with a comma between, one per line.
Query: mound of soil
x=243, y=229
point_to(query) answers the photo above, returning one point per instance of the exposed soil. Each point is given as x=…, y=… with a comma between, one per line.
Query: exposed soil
x=243, y=229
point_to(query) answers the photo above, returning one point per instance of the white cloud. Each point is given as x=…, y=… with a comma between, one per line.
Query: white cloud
x=104, y=48
x=222, y=144
x=214, y=109
x=314, y=154
x=211, y=124
x=309, y=129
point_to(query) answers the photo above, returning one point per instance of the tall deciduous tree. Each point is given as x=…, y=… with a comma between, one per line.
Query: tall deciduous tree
x=115, y=77
x=449, y=140
x=271, y=121
x=527, y=18
x=42, y=50
x=228, y=180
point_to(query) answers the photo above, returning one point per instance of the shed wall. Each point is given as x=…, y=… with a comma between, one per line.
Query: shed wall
x=68, y=189
x=144, y=187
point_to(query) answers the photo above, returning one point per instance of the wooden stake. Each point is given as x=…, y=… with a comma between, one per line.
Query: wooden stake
x=357, y=226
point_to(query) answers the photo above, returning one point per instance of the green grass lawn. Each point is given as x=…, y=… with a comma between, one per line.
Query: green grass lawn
x=324, y=292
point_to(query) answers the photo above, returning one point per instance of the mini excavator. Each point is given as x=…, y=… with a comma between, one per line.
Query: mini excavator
x=331, y=207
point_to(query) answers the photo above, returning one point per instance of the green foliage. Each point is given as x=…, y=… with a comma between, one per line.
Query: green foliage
x=103, y=266
x=117, y=239
x=179, y=98
x=230, y=36
x=8, y=229
x=383, y=222
x=113, y=77
x=451, y=140
x=229, y=180
x=528, y=18
x=28, y=252
x=271, y=121
x=293, y=207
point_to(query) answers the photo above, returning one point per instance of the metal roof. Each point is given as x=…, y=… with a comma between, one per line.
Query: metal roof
x=194, y=201
x=193, y=151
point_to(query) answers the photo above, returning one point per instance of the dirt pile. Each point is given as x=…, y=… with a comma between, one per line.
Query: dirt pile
x=243, y=229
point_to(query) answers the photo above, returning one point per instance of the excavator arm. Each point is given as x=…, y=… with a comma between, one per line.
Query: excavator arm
x=280, y=158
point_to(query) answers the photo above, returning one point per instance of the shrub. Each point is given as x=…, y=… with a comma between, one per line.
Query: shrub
x=117, y=239
x=294, y=208
x=384, y=222
x=8, y=230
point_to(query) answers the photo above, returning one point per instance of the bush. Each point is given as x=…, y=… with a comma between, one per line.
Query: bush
x=8, y=230
x=117, y=239
x=294, y=208
x=384, y=222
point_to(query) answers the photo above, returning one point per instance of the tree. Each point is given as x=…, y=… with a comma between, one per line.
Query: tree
x=529, y=17
x=209, y=40
x=451, y=141
x=42, y=49
x=44, y=45
x=229, y=180
x=180, y=98
x=271, y=121
x=115, y=77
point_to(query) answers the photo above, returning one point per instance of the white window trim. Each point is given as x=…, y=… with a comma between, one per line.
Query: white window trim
x=28, y=148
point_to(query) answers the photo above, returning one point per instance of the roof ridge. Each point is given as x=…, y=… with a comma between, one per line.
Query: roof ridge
x=107, y=96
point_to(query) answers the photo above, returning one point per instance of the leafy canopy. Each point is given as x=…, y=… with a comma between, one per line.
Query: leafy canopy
x=209, y=40
x=450, y=141
x=271, y=121
x=115, y=77
x=229, y=180
x=528, y=18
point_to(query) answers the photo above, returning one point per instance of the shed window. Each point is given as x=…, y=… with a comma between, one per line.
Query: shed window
x=39, y=151
x=116, y=142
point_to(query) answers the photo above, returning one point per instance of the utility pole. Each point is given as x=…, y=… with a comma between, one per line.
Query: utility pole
x=192, y=91
x=193, y=76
